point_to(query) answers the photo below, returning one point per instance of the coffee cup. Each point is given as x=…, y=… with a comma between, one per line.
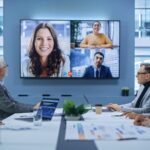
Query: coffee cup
x=98, y=108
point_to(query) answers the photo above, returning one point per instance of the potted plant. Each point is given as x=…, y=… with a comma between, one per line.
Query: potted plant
x=73, y=112
x=74, y=32
x=125, y=91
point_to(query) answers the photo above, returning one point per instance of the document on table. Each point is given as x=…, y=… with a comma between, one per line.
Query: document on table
x=16, y=127
x=18, y=123
x=78, y=130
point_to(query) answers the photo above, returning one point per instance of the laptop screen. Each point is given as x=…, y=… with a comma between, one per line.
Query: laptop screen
x=48, y=106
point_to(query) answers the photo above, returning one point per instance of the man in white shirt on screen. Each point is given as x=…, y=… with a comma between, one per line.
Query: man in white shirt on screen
x=141, y=103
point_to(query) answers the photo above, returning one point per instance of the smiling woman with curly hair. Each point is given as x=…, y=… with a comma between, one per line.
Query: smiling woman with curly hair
x=46, y=58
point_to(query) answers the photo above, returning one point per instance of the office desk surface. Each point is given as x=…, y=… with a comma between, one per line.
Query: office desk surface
x=29, y=137
x=51, y=136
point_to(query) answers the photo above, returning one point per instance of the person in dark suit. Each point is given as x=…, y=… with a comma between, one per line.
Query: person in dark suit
x=8, y=105
x=97, y=70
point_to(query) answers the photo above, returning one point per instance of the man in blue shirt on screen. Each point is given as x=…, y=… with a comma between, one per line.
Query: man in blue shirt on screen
x=97, y=70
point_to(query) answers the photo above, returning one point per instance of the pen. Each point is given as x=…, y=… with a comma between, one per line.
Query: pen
x=117, y=115
x=129, y=138
x=111, y=110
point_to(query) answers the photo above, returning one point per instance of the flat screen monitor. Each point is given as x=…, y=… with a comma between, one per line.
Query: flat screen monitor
x=70, y=49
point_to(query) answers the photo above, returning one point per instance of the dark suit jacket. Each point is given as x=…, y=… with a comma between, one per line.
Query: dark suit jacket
x=104, y=72
x=8, y=105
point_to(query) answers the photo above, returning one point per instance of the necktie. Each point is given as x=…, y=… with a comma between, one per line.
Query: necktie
x=140, y=99
x=97, y=73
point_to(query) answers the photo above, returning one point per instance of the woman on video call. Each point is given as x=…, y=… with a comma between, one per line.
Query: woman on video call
x=45, y=57
x=96, y=39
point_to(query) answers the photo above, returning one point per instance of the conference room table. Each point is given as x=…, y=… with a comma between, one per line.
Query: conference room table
x=18, y=134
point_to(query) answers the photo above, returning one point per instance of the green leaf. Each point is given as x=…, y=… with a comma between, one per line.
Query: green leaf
x=81, y=109
x=71, y=109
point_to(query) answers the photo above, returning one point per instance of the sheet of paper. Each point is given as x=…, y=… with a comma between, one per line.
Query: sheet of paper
x=80, y=130
x=16, y=127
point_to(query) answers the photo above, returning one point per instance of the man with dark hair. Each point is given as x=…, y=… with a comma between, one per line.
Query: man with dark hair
x=8, y=105
x=97, y=70
x=141, y=103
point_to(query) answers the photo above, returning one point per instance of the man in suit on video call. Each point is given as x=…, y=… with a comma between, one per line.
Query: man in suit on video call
x=141, y=103
x=97, y=70
x=8, y=105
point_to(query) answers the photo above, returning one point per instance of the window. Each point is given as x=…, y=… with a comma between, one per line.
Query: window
x=1, y=27
x=142, y=34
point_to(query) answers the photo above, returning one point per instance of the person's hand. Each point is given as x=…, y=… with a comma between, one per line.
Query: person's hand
x=131, y=115
x=91, y=46
x=146, y=122
x=141, y=120
x=37, y=105
x=95, y=46
x=115, y=107
x=98, y=46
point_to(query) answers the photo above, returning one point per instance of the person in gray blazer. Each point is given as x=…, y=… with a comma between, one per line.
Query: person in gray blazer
x=8, y=105
x=141, y=103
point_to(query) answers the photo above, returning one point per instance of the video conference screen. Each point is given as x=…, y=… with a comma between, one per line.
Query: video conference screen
x=87, y=49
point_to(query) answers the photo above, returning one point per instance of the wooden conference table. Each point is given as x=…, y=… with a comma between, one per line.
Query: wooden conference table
x=23, y=135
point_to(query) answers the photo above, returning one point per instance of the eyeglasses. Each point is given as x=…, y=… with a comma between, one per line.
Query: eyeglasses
x=138, y=73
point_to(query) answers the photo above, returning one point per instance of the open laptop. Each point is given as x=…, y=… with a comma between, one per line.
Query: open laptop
x=48, y=106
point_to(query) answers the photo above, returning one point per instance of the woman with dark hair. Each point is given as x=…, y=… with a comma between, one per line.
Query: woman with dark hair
x=46, y=58
x=96, y=39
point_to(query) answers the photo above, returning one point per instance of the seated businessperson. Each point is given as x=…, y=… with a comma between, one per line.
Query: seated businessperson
x=96, y=39
x=8, y=105
x=46, y=59
x=141, y=103
x=97, y=70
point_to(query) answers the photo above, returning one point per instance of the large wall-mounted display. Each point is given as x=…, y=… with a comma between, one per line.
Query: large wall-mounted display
x=70, y=49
